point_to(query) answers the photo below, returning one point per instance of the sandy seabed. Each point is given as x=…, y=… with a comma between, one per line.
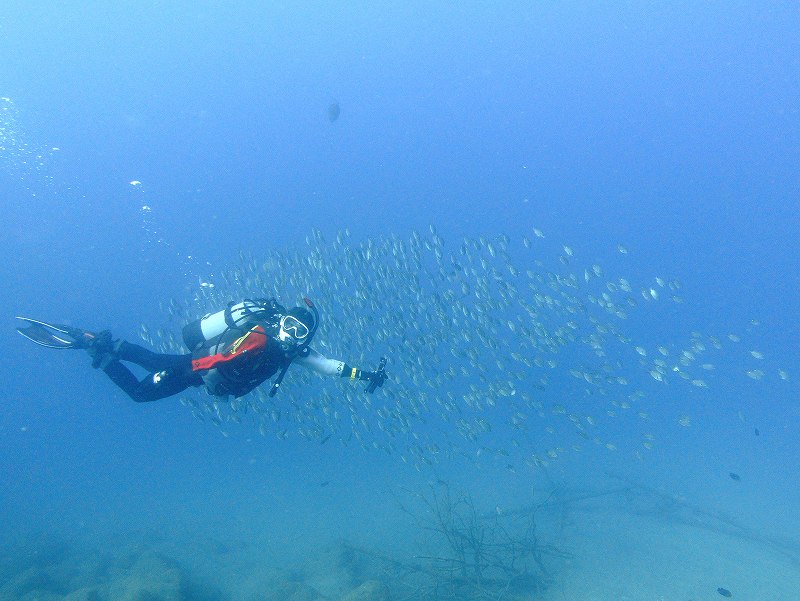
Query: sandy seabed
x=624, y=557
x=610, y=553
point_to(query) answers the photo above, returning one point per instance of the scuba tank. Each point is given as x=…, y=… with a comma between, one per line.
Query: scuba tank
x=234, y=316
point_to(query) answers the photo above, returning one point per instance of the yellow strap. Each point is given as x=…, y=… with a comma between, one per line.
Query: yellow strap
x=353, y=374
x=235, y=346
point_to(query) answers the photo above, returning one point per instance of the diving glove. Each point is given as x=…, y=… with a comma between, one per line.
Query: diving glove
x=375, y=378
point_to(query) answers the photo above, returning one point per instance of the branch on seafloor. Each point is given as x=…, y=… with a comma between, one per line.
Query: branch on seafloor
x=666, y=505
x=479, y=556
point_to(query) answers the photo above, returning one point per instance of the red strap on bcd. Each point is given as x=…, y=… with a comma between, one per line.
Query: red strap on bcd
x=254, y=341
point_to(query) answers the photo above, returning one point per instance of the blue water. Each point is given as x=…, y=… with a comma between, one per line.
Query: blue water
x=672, y=129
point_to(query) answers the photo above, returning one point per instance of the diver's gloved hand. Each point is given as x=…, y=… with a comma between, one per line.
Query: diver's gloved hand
x=375, y=378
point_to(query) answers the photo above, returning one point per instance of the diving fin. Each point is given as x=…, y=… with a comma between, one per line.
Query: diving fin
x=54, y=335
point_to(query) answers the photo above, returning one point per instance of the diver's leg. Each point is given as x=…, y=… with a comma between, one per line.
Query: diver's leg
x=155, y=386
x=125, y=351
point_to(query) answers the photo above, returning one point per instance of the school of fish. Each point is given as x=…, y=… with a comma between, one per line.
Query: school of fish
x=495, y=350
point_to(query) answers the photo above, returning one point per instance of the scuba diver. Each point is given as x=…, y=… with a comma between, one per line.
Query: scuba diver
x=232, y=352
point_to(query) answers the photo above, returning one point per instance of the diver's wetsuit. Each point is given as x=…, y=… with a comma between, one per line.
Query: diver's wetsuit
x=232, y=363
x=170, y=374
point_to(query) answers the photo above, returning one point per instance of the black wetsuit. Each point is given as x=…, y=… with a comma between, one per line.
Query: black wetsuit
x=170, y=374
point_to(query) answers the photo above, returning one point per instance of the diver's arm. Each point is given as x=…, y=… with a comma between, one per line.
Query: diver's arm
x=319, y=363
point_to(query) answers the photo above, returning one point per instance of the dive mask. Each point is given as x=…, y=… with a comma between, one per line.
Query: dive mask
x=292, y=329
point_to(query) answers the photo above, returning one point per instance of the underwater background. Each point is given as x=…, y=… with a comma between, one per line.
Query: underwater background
x=157, y=158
